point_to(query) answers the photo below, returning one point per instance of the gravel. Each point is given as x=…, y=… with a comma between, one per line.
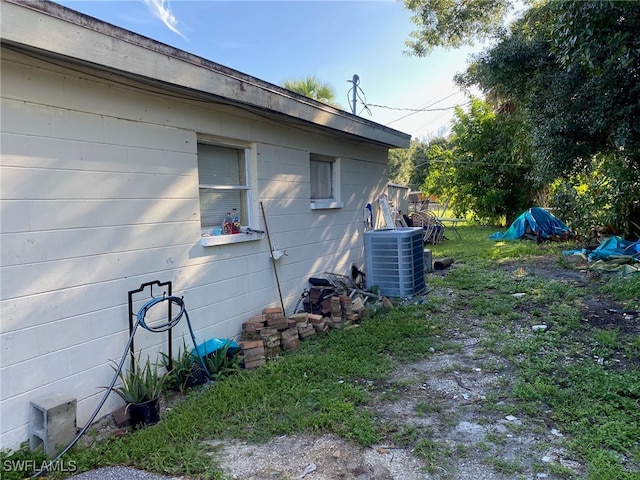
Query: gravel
x=119, y=473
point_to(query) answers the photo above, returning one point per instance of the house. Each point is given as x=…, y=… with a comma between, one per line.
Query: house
x=120, y=155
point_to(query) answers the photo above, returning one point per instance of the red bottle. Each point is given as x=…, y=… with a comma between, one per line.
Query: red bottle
x=227, y=225
x=235, y=226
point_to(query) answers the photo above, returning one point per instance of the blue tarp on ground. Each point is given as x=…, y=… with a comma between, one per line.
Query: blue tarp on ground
x=615, y=247
x=535, y=222
x=613, y=255
x=612, y=247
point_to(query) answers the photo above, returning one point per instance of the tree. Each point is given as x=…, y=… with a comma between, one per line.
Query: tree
x=600, y=41
x=311, y=87
x=409, y=166
x=572, y=70
x=454, y=23
x=491, y=163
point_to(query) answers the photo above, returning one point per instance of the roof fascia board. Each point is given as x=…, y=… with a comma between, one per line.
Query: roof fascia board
x=50, y=27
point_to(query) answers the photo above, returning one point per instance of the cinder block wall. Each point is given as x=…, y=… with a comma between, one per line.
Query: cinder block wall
x=99, y=193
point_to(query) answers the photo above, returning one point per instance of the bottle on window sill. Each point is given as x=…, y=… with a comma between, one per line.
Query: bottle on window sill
x=227, y=224
x=235, y=225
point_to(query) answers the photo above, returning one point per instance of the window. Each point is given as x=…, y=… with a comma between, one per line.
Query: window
x=325, y=182
x=224, y=185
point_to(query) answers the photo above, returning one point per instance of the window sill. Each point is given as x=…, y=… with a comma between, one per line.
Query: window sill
x=326, y=205
x=213, y=241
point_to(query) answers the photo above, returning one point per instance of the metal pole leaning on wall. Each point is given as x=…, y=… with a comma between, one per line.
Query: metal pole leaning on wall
x=273, y=260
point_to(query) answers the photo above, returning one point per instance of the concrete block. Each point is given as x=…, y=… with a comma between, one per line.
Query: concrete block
x=52, y=423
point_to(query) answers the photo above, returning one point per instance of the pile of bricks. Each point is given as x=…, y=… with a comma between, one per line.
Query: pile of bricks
x=266, y=335
x=253, y=353
x=320, y=323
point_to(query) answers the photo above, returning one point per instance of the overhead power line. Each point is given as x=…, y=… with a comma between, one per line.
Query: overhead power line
x=415, y=110
x=354, y=94
x=475, y=162
x=424, y=109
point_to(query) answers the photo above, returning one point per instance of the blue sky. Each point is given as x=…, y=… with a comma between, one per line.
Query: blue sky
x=333, y=40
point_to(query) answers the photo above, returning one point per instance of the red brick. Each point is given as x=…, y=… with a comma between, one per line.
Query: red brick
x=322, y=327
x=254, y=364
x=311, y=331
x=291, y=344
x=289, y=333
x=253, y=355
x=251, y=328
x=272, y=352
x=257, y=319
x=271, y=342
x=278, y=324
x=121, y=417
x=246, y=345
x=246, y=336
x=299, y=317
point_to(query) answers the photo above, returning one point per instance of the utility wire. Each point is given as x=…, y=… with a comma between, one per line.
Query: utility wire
x=365, y=105
x=433, y=120
x=359, y=90
x=364, y=101
x=424, y=109
x=416, y=110
x=477, y=162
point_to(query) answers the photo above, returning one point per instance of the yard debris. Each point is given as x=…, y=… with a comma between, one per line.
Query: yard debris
x=442, y=263
x=334, y=302
x=310, y=468
x=613, y=255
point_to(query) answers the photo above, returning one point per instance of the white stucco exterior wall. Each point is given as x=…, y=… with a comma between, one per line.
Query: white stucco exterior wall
x=99, y=194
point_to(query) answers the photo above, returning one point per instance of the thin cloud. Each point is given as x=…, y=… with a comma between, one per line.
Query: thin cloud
x=161, y=9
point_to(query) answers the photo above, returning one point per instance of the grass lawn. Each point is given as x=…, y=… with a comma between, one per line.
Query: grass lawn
x=583, y=378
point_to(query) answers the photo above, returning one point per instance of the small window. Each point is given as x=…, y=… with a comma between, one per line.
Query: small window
x=224, y=186
x=325, y=182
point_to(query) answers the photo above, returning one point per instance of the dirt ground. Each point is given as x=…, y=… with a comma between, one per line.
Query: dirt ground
x=453, y=395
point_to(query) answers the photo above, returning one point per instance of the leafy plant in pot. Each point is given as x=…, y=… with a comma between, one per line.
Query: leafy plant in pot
x=141, y=388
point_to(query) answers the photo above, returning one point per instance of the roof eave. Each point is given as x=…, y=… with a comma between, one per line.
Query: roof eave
x=62, y=32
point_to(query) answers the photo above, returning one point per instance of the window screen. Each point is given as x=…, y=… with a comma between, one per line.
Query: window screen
x=321, y=177
x=223, y=184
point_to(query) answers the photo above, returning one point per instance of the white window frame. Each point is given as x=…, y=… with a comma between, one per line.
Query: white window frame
x=332, y=201
x=247, y=166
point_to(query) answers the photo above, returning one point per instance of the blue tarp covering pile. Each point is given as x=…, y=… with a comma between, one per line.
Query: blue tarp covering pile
x=536, y=224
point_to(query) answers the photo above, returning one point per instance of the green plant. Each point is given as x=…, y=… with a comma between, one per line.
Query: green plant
x=222, y=362
x=327, y=385
x=506, y=466
x=181, y=371
x=18, y=464
x=141, y=384
x=435, y=454
x=423, y=408
x=406, y=435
